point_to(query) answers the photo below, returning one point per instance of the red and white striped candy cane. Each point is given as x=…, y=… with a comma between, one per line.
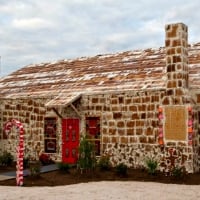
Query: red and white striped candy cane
x=20, y=148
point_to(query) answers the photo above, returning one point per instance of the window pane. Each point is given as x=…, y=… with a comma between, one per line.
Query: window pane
x=50, y=134
x=50, y=145
x=93, y=127
x=50, y=127
x=93, y=132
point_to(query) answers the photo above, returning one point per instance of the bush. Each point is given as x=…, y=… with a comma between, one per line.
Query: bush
x=26, y=161
x=35, y=168
x=178, y=172
x=63, y=167
x=6, y=159
x=151, y=165
x=121, y=169
x=86, y=158
x=45, y=159
x=104, y=163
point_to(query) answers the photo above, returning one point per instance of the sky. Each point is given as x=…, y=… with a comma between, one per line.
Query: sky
x=37, y=31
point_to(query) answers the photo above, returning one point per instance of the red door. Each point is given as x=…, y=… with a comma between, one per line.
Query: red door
x=70, y=140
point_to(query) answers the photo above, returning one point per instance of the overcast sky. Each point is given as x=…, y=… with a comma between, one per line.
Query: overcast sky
x=35, y=31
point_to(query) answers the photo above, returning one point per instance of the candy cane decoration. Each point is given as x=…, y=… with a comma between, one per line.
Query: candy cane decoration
x=20, y=148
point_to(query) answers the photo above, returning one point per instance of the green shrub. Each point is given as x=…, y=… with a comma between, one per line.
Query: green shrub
x=35, y=168
x=26, y=161
x=104, y=163
x=63, y=167
x=178, y=172
x=86, y=158
x=121, y=169
x=151, y=165
x=6, y=159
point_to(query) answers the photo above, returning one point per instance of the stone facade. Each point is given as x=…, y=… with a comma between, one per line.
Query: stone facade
x=130, y=130
x=134, y=124
x=30, y=112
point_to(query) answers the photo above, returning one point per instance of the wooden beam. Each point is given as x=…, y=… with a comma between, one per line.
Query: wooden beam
x=73, y=107
x=57, y=113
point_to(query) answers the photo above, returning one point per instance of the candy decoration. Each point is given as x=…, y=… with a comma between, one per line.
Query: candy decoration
x=171, y=158
x=190, y=126
x=160, y=130
x=20, y=148
x=189, y=122
x=160, y=141
x=160, y=110
x=160, y=135
x=190, y=142
x=190, y=137
x=189, y=129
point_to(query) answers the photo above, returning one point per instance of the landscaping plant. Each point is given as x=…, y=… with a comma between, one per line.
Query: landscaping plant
x=151, y=165
x=178, y=172
x=104, y=162
x=86, y=159
x=63, y=167
x=121, y=169
x=6, y=159
x=35, y=168
x=45, y=159
x=26, y=161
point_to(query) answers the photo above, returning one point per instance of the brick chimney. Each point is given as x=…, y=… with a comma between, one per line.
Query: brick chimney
x=176, y=43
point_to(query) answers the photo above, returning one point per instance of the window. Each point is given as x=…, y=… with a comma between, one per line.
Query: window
x=50, y=134
x=93, y=132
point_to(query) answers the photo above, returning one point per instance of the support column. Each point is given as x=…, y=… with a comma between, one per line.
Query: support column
x=176, y=44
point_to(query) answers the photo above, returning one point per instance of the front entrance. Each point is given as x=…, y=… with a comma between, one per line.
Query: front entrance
x=70, y=140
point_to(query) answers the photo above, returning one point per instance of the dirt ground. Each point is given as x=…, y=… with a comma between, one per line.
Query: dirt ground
x=57, y=178
x=101, y=185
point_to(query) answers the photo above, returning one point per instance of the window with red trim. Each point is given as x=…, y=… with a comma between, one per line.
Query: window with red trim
x=50, y=135
x=93, y=132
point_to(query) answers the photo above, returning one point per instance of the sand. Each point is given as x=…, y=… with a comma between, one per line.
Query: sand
x=103, y=191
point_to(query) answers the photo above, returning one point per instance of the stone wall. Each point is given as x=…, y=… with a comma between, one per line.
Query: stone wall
x=30, y=112
x=130, y=129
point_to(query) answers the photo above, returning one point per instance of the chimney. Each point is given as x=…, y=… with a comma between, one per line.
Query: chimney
x=176, y=43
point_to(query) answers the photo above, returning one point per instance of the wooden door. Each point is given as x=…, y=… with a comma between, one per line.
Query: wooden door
x=70, y=140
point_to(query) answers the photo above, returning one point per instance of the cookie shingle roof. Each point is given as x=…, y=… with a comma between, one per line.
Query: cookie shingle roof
x=67, y=79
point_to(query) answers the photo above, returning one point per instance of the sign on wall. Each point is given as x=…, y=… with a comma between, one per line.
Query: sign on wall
x=175, y=126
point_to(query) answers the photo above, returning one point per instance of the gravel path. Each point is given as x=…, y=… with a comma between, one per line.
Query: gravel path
x=103, y=191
